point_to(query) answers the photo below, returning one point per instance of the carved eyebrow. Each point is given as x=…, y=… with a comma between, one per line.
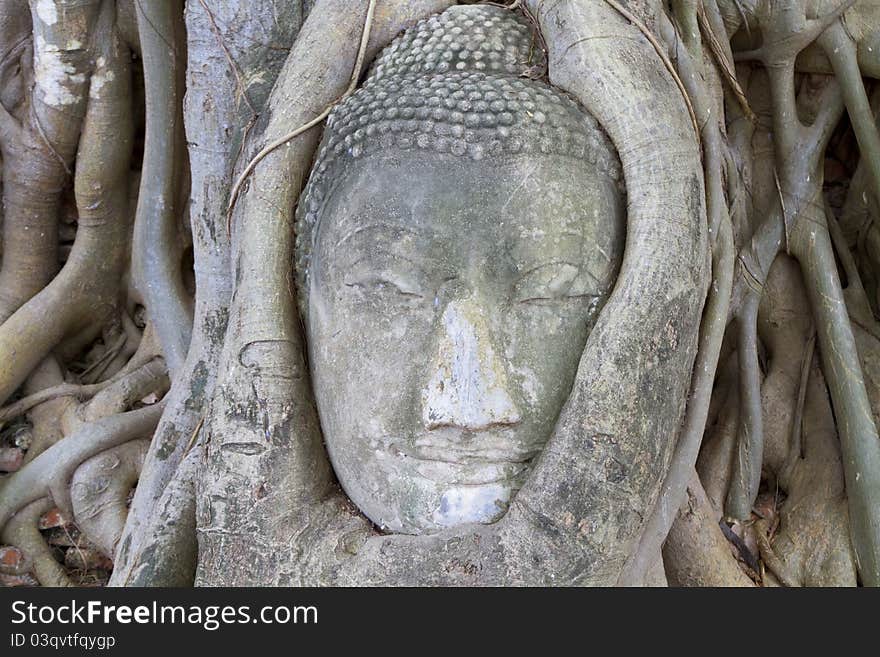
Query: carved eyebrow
x=526, y=233
x=375, y=226
x=541, y=265
x=396, y=256
x=581, y=269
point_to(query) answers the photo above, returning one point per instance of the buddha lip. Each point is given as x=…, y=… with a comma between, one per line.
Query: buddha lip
x=449, y=454
x=451, y=466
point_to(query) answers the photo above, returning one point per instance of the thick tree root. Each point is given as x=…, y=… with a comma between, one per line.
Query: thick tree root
x=39, y=145
x=167, y=554
x=86, y=291
x=673, y=492
x=219, y=118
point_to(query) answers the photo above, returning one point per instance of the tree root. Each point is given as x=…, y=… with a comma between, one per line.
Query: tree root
x=87, y=288
x=714, y=464
x=38, y=151
x=769, y=556
x=696, y=553
x=712, y=328
x=134, y=386
x=786, y=327
x=813, y=541
x=799, y=152
x=99, y=492
x=219, y=116
x=25, y=404
x=841, y=51
x=167, y=553
x=51, y=471
x=237, y=437
x=45, y=418
x=22, y=531
x=293, y=134
x=858, y=432
x=746, y=475
x=156, y=254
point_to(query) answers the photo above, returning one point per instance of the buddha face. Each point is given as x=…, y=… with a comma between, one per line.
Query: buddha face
x=449, y=302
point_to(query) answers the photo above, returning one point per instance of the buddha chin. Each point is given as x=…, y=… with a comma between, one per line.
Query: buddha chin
x=449, y=287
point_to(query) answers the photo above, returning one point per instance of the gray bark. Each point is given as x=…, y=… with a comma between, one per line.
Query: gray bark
x=234, y=52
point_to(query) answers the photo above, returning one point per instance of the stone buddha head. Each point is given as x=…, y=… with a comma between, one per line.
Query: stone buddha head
x=459, y=234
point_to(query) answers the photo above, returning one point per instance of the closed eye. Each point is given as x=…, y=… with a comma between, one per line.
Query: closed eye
x=556, y=299
x=382, y=285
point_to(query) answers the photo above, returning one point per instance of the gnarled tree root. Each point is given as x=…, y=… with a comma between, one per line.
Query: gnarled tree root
x=696, y=553
x=22, y=531
x=99, y=493
x=50, y=473
x=86, y=291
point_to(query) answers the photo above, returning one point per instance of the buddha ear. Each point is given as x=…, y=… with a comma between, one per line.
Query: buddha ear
x=613, y=441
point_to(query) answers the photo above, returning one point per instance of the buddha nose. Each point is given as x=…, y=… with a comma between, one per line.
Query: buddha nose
x=468, y=387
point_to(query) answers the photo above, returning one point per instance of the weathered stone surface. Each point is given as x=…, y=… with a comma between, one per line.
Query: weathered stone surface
x=451, y=290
